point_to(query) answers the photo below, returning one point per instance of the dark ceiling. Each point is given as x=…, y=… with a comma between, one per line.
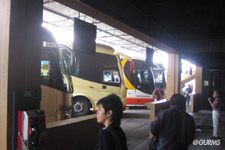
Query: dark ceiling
x=199, y=27
x=194, y=28
x=186, y=20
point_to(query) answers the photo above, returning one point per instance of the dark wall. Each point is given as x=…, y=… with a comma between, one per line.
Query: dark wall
x=76, y=136
x=207, y=91
x=216, y=82
x=25, y=44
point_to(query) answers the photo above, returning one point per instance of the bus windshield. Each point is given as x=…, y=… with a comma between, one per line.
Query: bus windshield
x=144, y=76
x=145, y=79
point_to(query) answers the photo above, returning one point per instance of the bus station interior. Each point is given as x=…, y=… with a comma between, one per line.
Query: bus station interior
x=193, y=31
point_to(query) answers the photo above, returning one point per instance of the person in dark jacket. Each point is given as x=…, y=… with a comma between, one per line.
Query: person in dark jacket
x=110, y=114
x=174, y=128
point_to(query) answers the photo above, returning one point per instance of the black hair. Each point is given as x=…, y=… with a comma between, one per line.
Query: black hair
x=114, y=103
x=178, y=100
x=161, y=86
x=217, y=92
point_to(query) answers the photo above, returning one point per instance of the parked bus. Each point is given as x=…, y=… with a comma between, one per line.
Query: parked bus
x=69, y=85
x=94, y=77
x=139, y=81
x=56, y=83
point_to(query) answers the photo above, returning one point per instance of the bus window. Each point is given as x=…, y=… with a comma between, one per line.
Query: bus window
x=45, y=68
x=67, y=63
x=111, y=76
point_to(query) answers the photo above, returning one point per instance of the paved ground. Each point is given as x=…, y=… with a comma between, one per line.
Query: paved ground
x=203, y=121
x=135, y=124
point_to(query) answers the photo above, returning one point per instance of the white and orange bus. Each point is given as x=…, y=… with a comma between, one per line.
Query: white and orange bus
x=139, y=81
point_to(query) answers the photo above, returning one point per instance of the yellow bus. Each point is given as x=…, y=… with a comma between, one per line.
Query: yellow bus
x=95, y=76
x=72, y=84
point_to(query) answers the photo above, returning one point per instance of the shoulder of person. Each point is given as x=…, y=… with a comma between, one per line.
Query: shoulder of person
x=105, y=133
x=163, y=113
x=189, y=117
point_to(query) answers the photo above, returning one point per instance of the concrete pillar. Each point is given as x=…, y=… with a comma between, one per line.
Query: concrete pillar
x=20, y=45
x=4, y=54
x=198, y=80
x=173, y=75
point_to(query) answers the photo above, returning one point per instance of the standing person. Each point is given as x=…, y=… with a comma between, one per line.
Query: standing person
x=159, y=92
x=186, y=94
x=216, y=105
x=173, y=128
x=110, y=112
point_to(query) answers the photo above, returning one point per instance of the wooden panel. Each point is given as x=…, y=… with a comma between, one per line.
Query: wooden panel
x=77, y=134
x=198, y=80
x=4, y=50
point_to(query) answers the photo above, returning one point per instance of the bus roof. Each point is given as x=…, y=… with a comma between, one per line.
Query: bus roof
x=101, y=48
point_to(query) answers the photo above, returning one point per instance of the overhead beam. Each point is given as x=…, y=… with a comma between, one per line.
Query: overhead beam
x=120, y=37
x=136, y=25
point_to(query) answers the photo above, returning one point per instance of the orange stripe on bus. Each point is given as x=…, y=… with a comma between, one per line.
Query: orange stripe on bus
x=139, y=101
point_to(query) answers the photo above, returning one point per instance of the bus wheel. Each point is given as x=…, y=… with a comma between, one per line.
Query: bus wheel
x=80, y=107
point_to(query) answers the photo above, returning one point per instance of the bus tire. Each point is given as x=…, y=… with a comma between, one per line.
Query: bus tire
x=80, y=107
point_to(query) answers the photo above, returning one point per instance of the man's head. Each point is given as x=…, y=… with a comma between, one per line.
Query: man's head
x=112, y=108
x=216, y=94
x=178, y=100
x=161, y=86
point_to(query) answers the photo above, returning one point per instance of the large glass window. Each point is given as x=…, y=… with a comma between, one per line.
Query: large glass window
x=111, y=76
